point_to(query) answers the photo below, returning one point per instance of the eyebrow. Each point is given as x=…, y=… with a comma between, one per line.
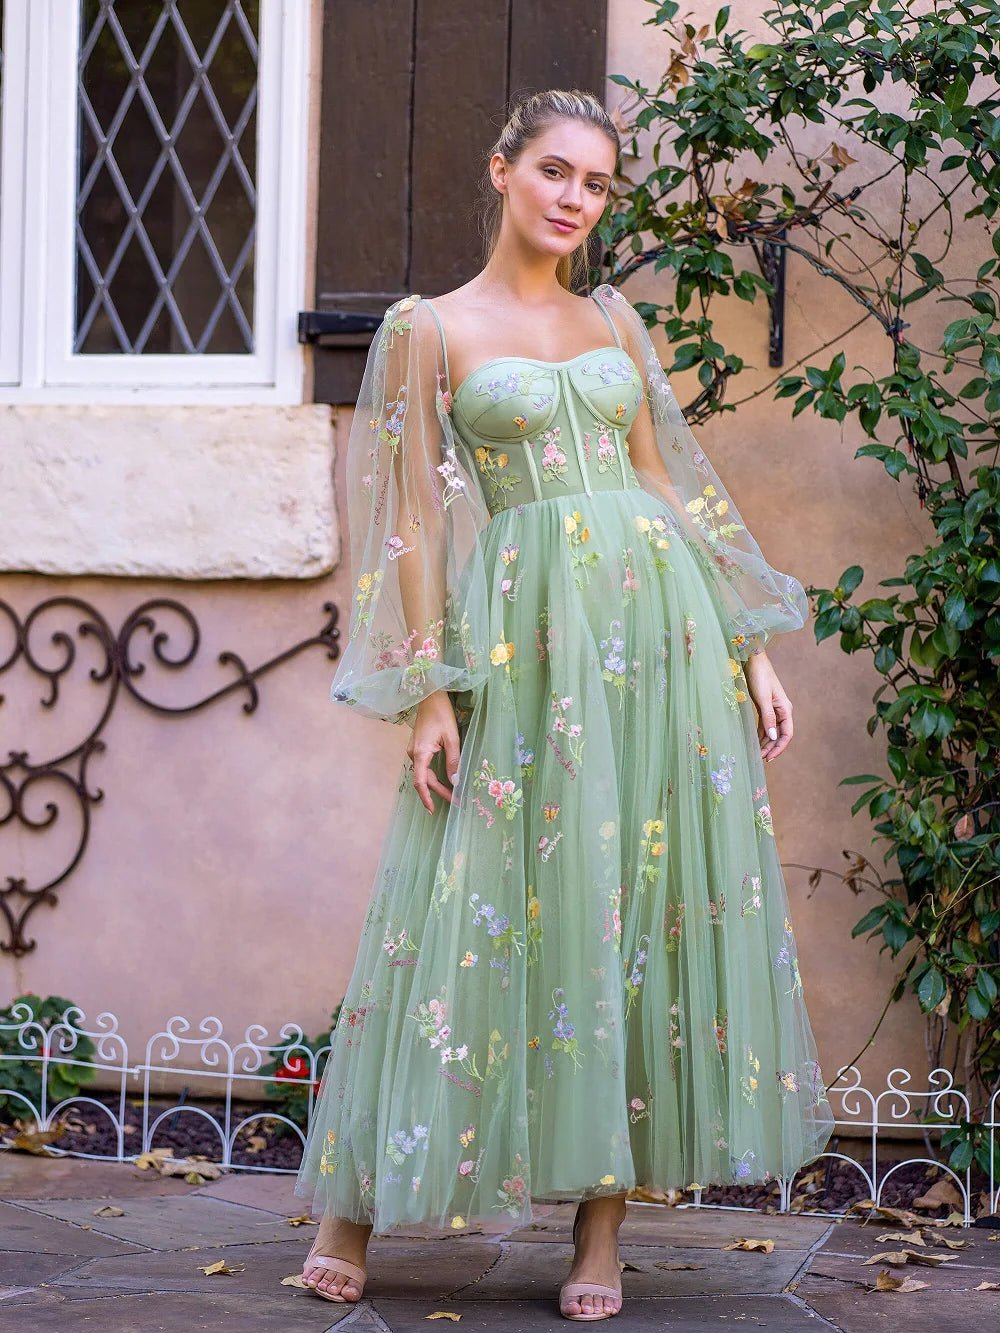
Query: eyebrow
x=557, y=158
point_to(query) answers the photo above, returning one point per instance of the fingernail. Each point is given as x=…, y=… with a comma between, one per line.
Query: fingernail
x=453, y=777
x=773, y=733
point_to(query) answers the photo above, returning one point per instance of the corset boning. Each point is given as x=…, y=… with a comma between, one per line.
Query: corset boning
x=534, y=429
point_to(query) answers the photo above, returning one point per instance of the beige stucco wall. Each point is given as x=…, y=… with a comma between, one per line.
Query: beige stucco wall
x=230, y=863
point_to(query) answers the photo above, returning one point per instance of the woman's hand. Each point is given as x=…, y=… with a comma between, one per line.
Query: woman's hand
x=434, y=729
x=774, y=708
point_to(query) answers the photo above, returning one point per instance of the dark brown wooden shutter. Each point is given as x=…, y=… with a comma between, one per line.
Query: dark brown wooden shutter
x=413, y=95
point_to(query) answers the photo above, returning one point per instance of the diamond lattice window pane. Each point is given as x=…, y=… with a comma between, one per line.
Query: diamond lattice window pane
x=166, y=185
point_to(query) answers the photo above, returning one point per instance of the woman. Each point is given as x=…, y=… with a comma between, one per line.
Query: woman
x=577, y=974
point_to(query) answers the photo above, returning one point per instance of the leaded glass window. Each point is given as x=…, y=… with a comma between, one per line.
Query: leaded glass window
x=166, y=176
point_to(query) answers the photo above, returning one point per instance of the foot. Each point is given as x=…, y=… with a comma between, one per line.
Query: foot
x=345, y=1240
x=596, y=1256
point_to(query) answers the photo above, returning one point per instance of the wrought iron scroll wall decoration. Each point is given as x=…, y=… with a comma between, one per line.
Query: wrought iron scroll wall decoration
x=66, y=774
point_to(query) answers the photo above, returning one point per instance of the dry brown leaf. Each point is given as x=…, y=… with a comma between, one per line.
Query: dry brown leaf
x=987, y=1286
x=674, y=1267
x=154, y=1158
x=444, y=1314
x=943, y=1191
x=951, y=1244
x=109, y=1210
x=914, y=1237
x=303, y=1221
x=886, y=1282
x=256, y=1143
x=296, y=1280
x=37, y=1141
x=194, y=1169
x=901, y=1216
x=750, y=1243
x=220, y=1266
x=625, y=1267
x=900, y=1257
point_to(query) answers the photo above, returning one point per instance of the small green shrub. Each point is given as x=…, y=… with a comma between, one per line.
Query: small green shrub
x=289, y=1087
x=21, y=1067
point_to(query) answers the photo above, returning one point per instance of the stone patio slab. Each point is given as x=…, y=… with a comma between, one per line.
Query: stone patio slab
x=532, y=1271
x=272, y=1194
x=27, y=1268
x=25, y=1176
x=851, y=1270
x=660, y=1225
x=155, y=1312
x=25, y=1231
x=918, y=1312
x=393, y=1268
x=779, y=1314
x=167, y=1223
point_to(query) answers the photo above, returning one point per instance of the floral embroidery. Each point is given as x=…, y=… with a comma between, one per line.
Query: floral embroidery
x=762, y=815
x=330, y=1155
x=675, y=1040
x=493, y=467
x=630, y=584
x=563, y=1031
x=706, y=515
x=722, y=777
x=577, y=537
x=498, y=925
x=633, y=981
x=396, y=548
x=721, y=1025
x=751, y=898
x=573, y=731
x=653, y=529
x=507, y=795
x=673, y=921
x=613, y=919
x=447, y=882
x=607, y=454
x=366, y=597
x=508, y=585
x=639, y=1109
x=453, y=483
x=525, y=759
x=651, y=847
x=401, y=943
x=402, y=1145
x=734, y=691
x=501, y=654
x=749, y=1083
x=554, y=465
x=513, y=1190
x=786, y=957
x=533, y=913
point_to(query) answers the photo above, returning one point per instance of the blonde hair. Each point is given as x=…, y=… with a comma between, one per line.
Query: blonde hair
x=529, y=118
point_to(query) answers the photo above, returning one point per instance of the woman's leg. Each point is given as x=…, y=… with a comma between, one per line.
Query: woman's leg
x=596, y=1256
x=342, y=1239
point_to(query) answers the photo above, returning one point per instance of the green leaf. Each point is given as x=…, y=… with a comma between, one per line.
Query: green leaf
x=932, y=989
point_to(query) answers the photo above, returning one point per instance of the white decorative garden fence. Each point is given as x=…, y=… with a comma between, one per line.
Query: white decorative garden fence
x=206, y=1055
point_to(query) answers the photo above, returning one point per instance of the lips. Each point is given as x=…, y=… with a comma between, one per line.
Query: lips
x=563, y=226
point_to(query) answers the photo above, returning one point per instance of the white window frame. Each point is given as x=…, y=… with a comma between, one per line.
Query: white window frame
x=37, y=228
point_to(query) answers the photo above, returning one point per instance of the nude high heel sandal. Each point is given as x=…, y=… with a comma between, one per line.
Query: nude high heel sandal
x=573, y=1291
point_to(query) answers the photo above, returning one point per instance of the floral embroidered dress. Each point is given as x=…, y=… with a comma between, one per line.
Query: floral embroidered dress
x=580, y=976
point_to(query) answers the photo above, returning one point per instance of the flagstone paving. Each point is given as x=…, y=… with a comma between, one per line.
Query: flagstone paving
x=62, y=1267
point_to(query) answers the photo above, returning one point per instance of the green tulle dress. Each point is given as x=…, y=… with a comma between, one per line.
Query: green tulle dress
x=581, y=975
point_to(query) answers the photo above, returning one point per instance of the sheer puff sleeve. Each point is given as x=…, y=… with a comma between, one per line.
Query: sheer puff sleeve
x=419, y=611
x=755, y=601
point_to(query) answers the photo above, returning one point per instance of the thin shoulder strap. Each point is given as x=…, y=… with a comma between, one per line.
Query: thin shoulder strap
x=444, y=345
x=600, y=306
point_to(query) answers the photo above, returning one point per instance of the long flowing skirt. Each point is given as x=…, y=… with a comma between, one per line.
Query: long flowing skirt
x=580, y=976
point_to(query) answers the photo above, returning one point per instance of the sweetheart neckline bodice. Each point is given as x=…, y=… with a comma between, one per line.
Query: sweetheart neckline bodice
x=538, y=361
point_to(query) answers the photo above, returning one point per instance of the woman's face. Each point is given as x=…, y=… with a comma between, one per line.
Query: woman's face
x=562, y=176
